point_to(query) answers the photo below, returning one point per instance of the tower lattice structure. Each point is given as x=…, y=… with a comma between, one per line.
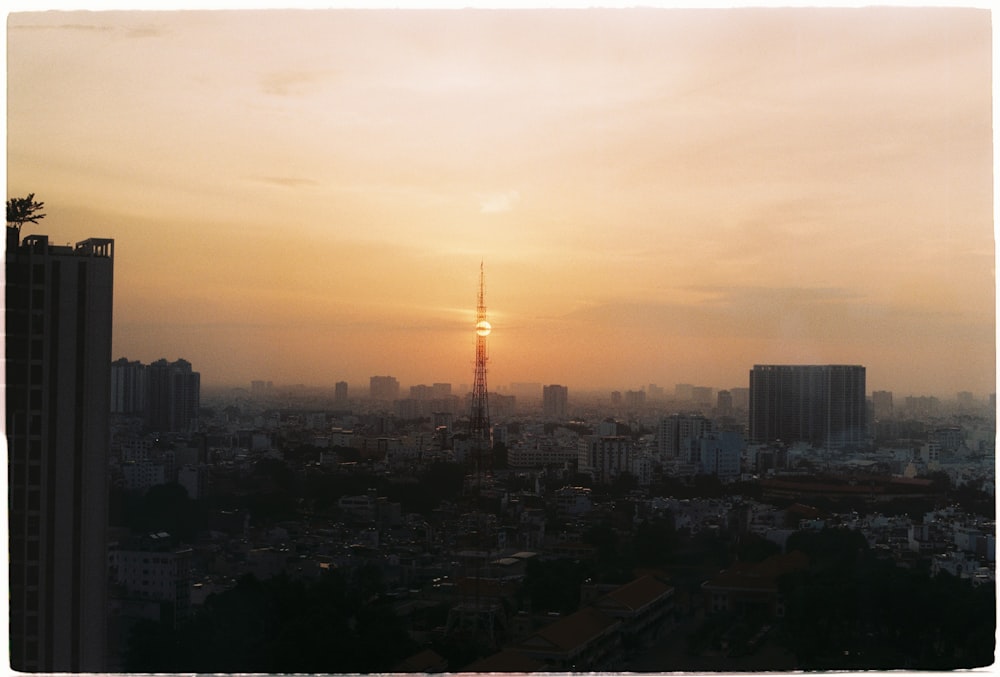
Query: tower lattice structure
x=478, y=617
x=479, y=417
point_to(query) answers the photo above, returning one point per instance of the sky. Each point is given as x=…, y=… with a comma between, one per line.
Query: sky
x=656, y=195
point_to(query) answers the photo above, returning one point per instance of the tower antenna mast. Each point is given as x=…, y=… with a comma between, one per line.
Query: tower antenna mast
x=479, y=418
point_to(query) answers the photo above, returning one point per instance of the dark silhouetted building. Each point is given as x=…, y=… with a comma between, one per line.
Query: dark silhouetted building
x=128, y=387
x=174, y=396
x=635, y=399
x=724, y=403
x=882, y=404
x=58, y=348
x=383, y=388
x=678, y=433
x=340, y=392
x=261, y=389
x=824, y=405
x=555, y=399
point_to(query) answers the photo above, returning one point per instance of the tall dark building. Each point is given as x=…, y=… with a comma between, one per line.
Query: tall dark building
x=128, y=387
x=676, y=433
x=882, y=404
x=555, y=401
x=823, y=405
x=58, y=348
x=174, y=396
x=384, y=388
x=340, y=392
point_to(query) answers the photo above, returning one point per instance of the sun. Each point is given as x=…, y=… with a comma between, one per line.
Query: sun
x=483, y=328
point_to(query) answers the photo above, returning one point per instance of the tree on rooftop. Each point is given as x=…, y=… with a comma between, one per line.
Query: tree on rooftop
x=21, y=210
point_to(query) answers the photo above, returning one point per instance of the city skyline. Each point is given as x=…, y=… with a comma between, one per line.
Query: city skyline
x=658, y=196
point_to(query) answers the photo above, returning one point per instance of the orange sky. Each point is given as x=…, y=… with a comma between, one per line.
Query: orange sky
x=659, y=196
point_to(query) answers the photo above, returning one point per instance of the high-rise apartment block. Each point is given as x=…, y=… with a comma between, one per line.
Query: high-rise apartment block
x=261, y=389
x=167, y=395
x=604, y=458
x=635, y=399
x=719, y=454
x=383, y=388
x=58, y=348
x=824, y=405
x=174, y=396
x=724, y=403
x=741, y=398
x=128, y=387
x=555, y=400
x=340, y=392
x=678, y=433
x=702, y=394
x=882, y=404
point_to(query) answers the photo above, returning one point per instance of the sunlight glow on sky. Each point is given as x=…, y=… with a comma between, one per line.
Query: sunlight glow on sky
x=658, y=196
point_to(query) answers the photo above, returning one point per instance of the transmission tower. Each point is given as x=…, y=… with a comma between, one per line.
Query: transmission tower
x=480, y=436
x=478, y=617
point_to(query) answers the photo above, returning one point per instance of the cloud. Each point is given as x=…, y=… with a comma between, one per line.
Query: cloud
x=287, y=181
x=497, y=203
x=787, y=313
x=290, y=83
x=146, y=31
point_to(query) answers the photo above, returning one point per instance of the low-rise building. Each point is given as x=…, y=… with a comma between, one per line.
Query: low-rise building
x=587, y=640
x=645, y=608
x=752, y=587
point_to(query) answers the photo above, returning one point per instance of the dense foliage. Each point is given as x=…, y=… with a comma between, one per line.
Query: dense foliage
x=853, y=611
x=334, y=625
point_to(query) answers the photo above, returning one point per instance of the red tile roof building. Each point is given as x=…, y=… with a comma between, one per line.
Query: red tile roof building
x=752, y=586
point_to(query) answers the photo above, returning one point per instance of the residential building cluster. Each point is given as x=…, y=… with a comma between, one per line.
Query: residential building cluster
x=164, y=395
x=425, y=558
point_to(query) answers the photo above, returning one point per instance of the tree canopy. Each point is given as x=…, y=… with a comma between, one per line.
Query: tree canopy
x=21, y=210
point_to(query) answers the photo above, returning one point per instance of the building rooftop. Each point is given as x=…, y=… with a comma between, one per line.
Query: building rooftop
x=758, y=575
x=635, y=595
x=570, y=633
x=508, y=660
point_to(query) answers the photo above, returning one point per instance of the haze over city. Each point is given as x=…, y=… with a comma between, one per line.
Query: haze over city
x=658, y=196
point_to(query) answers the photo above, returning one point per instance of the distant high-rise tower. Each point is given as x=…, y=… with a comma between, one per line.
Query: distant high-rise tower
x=824, y=405
x=479, y=416
x=555, y=399
x=128, y=387
x=174, y=396
x=384, y=388
x=58, y=404
x=724, y=403
x=882, y=404
x=676, y=433
x=340, y=392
